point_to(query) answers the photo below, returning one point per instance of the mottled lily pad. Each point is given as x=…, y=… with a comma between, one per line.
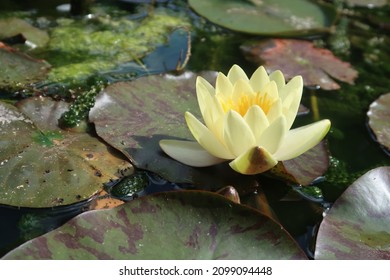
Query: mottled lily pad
x=19, y=69
x=266, y=17
x=358, y=224
x=173, y=225
x=13, y=26
x=379, y=120
x=298, y=57
x=134, y=116
x=43, y=166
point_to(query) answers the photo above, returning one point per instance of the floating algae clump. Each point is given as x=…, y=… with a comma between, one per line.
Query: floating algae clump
x=81, y=48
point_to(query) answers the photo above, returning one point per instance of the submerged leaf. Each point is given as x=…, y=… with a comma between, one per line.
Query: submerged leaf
x=298, y=57
x=358, y=224
x=189, y=225
x=379, y=120
x=43, y=166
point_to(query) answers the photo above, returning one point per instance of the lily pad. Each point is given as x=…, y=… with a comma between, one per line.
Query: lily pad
x=266, y=17
x=43, y=166
x=379, y=120
x=298, y=170
x=189, y=225
x=35, y=37
x=367, y=3
x=358, y=224
x=298, y=57
x=18, y=69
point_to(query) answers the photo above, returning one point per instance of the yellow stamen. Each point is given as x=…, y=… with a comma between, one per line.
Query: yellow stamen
x=242, y=104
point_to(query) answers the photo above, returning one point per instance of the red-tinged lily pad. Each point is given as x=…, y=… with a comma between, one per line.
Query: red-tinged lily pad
x=172, y=225
x=298, y=170
x=35, y=37
x=19, y=69
x=134, y=116
x=379, y=120
x=298, y=57
x=43, y=166
x=267, y=17
x=358, y=224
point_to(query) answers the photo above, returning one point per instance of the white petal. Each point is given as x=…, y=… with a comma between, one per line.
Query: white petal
x=271, y=89
x=223, y=86
x=189, y=153
x=236, y=73
x=292, y=93
x=206, y=138
x=257, y=121
x=204, y=82
x=255, y=160
x=259, y=79
x=203, y=95
x=273, y=136
x=294, y=85
x=278, y=77
x=237, y=134
x=301, y=139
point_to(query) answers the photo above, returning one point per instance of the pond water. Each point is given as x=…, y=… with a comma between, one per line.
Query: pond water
x=360, y=37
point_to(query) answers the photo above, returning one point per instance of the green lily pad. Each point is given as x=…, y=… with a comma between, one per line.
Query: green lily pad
x=13, y=26
x=43, y=166
x=298, y=57
x=18, y=69
x=367, y=3
x=358, y=224
x=188, y=224
x=266, y=17
x=379, y=120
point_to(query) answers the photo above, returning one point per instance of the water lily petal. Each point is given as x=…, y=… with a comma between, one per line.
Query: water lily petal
x=237, y=134
x=241, y=88
x=271, y=89
x=189, y=153
x=255, y=160
x=206, y=84
x=275, y=111
x=206, y=138
x=291, y=96
x=257, y=121
x=236, y=73
x=278, y=77
x=203, y=95
x=259, y=79
x=273, y=135
x=223, y=86
x=301, y=139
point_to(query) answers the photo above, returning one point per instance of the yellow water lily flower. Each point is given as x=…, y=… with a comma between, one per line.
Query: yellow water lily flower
x=247, y=121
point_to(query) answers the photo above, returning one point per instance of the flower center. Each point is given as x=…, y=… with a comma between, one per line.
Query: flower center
x=242, y=103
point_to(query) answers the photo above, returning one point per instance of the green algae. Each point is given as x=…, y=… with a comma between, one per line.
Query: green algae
x=81, y=48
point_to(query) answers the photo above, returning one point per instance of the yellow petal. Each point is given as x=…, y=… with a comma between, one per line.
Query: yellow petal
x=273, y=135
x=257, y=121
x=275, y=111
x=236, y=73
x=237, y=134
x=203, y=94
x=291, y=96
x=253, y=161
x=259, y=79
x=206, y=138
x=241, y=88
x=206, y=84
x=223, y=86
x=189, y=153
x=278, y=77
x=301, y=139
